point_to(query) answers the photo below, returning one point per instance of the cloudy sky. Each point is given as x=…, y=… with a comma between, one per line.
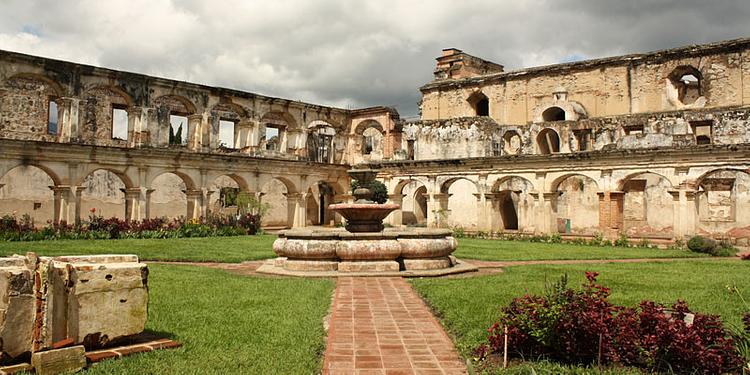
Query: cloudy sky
x=351, y=53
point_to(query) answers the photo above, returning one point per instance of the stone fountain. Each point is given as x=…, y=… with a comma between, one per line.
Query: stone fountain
x=364, y=246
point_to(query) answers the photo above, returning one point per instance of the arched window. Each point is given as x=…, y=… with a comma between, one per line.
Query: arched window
x=480, y=104
x=548, y=142
x=553, y=114
x=687, y=80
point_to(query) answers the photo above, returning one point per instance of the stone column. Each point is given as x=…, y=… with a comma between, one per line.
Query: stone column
x=76, y=196
x=68, y=119
x=291, y=208
x=491, y=201
x=132, y=204
x=437, y=206
x=194, y=198
x=194, y=127
x=147, y=203
x=482, y=209
x=677, y=223
x=136, y=126
x=690, y=213
x=61, y=196
x=396, y=217
x=300, y=217
x=205, y=201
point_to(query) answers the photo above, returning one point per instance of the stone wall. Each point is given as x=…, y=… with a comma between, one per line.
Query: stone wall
x=468, y=137
x=632, y=84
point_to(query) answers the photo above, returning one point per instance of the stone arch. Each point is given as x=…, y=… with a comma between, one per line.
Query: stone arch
x=458, y=203
x=577, y=205
x=27, y=189
x=723, y=202
x=548, y=141
x=103, y=193
x=320, y=142
x=320, y=195
x=173, y=113
x=446, y=185
x=168, y=195
x=39, y=99
x=274, y=128
x=553, y=113
x=480, y=103
x=278, y=193
x=122, y=175
x=228, y=113
x=225, y=188
x=370, y=140
x=56, y=88
x=413, y=201
x=559, y=109
x=98, y=123
x=647, y=209
x=512, y=204
x=176, y=104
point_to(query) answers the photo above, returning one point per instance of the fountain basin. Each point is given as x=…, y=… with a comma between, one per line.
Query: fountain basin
x=364, y=217
x=409, y=251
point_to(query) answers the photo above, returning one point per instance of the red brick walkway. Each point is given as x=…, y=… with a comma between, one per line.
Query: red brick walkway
x=380, y=326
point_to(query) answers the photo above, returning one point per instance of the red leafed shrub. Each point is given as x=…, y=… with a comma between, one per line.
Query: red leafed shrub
x=745, y=256
x=568, y=325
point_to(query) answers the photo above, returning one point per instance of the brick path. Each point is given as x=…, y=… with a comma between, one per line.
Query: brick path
x=380, y=326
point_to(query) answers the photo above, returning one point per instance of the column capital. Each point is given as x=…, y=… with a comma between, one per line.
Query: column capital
x=612, y=193
x=193, y=193
x=195, y=116
x=551, y=195
x=132, y=192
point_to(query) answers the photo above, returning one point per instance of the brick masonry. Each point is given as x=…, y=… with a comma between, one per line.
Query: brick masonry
x=381, y=326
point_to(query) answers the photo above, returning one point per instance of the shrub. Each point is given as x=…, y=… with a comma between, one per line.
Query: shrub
x=706, y=245
x=700, y=244
x=97, y=227
x=622, y=241
x=379, y=190
x=745, y=256
x=567, y=325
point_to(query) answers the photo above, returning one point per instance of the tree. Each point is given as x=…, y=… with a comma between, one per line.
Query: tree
x=379, y=191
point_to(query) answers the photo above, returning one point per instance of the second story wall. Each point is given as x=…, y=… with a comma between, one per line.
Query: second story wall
x=708, y=76
x=56, y=101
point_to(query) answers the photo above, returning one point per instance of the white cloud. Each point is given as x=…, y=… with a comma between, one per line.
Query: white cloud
x=349, y=53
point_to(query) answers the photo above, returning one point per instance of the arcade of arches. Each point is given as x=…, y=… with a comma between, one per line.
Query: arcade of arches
x=651, y=145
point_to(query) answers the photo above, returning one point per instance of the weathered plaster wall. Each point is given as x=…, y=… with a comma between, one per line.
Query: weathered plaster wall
x=607, y=87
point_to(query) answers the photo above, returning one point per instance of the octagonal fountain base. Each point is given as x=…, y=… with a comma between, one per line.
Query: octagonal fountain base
x=392, y=252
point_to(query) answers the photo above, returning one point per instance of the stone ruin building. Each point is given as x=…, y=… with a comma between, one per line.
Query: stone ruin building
x=653, y=145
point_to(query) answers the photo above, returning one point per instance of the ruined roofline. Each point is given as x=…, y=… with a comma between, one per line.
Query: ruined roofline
x=635, y=59
x=52, y=64
x=377, y=109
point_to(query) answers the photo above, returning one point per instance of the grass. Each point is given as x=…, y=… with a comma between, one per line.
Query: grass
x=499, y=250
x=209, y=249
x=468, y=306
x=231, y=324
x=244, y=248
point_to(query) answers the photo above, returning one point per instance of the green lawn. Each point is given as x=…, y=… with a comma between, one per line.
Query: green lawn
x=231, y=324
x=209, y=249
x=468, y=306
x=472, y=248
x=242, y=248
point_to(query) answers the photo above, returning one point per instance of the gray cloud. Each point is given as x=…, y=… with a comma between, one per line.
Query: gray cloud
x=350, y=53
